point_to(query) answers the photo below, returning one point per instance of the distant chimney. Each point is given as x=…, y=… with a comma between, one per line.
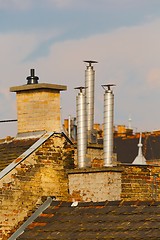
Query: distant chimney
x=130, y=123
x=108, y=125
x=38, y=105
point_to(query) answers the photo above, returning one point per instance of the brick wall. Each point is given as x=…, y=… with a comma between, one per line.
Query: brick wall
x=132, y=183
x=141, y=183
x=92, y=153
x=95, y=184
x=42, y=174
x=154, y=162
x=38, y=110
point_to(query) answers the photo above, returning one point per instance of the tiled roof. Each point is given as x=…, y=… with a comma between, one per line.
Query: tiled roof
x=10, y=150
x=106, y=220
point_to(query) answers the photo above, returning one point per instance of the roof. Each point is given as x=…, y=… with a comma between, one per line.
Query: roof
x=15, y=151
x=12, y=149
x=127, y=149
x=104, y=220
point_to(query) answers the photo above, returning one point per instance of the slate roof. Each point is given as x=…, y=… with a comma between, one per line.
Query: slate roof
x=105, y=220
x=127, y=149
x=10, y=150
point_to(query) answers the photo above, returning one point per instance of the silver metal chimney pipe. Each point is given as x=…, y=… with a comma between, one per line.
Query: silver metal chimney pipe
x=81, y=128
x=74, y=135
x=69, y=126
x=89, y=93
x=108, y=125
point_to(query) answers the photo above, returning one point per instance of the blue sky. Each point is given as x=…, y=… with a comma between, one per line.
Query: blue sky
x=55, y=36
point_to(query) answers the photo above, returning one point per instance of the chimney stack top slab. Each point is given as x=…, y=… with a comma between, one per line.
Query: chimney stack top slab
x=39, y=86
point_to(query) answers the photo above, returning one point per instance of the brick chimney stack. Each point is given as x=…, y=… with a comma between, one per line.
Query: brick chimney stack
x=38, y=106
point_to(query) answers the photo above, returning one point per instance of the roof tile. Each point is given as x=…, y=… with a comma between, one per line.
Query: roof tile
x=9, y=151
x=96, y=221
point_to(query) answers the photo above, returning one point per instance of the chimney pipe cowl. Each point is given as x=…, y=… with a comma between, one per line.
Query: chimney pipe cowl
x=32, y=79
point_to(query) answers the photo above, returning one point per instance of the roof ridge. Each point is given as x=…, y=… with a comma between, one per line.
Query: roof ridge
x=115, y=203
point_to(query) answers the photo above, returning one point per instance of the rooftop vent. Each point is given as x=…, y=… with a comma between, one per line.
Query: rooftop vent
x=32, y=79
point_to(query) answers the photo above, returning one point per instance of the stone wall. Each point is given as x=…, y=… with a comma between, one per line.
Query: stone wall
x=140, y=183
x=40, y=175
x=95, y=185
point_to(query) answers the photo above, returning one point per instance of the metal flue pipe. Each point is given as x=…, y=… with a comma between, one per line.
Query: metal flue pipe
x=108, y=125
x=89, y=94
x=81, y=128
x=69, y=126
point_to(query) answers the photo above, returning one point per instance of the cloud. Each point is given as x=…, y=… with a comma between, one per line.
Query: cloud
x=100, y=3
x=27, y=4
x=13, y=48
x=61, y=3
x=128, y=57
x=83, y=4
x=153, y=77
x=15, y=4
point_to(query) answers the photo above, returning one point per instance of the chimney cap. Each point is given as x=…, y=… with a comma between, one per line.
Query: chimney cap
x=90, y=62
x=32, y=79
x=80, y=88
x=28, y=87
x=107, y=87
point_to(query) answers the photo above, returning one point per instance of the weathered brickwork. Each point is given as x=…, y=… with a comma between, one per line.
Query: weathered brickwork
x=92, y=153
x=141, y=183
x=95, y=184
x=38, y=110
x=95, y=156
x=95, y=152
x=154, y=162
x=97, y=163
x=40, y=175
x=45, y=173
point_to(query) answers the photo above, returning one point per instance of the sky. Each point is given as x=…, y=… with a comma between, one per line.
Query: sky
x=56, y=36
